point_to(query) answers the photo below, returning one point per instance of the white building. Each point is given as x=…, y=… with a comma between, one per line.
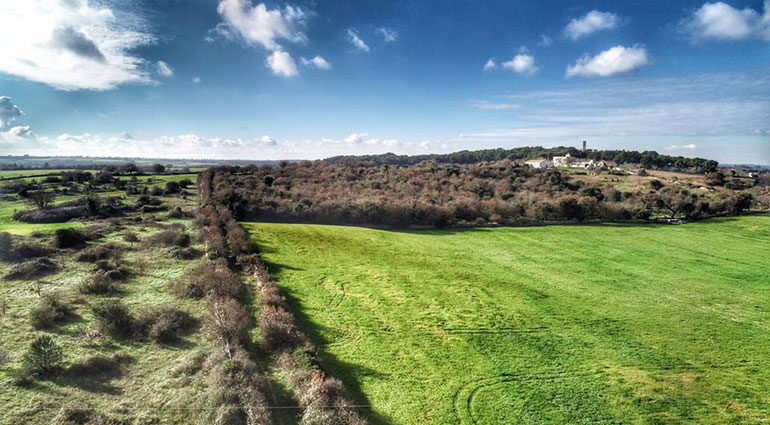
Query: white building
x=539, y=163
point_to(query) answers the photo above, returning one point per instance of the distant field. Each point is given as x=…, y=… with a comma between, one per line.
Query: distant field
x=560, y=324
x=6, y=174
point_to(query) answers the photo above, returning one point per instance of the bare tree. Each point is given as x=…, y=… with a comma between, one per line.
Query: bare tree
x=41, y=199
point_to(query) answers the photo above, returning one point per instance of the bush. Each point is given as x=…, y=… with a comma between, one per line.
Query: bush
x=4, y=357
x=209, y=278
x=170, y=238
x=130, y=236
x=32, y=269
x=27, y=250
x=6, y=246
x=163, y=324
x=98, y=284
x=51, y=309
x=172, y=187
x=57, y=214
x=112, y=270
x=99, y=252
x=156, y=191
x=184, y=253
x=44, y=356
x=69, y=238
x=113, y=317
x=76, y=415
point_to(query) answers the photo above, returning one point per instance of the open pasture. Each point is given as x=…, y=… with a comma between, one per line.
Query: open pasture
x=632, y=324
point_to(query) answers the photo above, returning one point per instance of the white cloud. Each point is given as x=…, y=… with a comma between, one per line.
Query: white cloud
x=425, y=144
x=489, y=106
x=267, y=140
x=356, y=41
x=281, y=63
x=355, y=138
x=260, y=25
x=8, y=111
x=164, y=69
x=388, y=35
x=616, y=60
x=21, y=132
x=544, y=41
x=521, y=64
x=722, y=21
x=490, y=65
x=73, y=44
x=392, y=143
x=196, y=80
x=317, y=62
x=691, y=146
x=591, y=22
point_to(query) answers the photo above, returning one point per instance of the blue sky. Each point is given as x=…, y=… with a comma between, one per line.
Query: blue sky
x=242, y=79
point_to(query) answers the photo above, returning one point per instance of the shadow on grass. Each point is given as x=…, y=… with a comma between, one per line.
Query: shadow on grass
x=348, y=373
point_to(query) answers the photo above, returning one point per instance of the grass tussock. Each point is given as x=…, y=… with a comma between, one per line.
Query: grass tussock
x=32, y=269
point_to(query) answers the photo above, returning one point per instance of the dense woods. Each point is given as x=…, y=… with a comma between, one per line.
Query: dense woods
x=437, y=194
x=646, y=159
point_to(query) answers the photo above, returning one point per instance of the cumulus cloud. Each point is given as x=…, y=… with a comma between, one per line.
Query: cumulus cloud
x=722, y=21
x=388, y=35
x=355, y=138
x=356, y=41
x=425, y=144
x=490, y=64
x=21, y=132
x=73, y=44
x=8, y=111
x=317, y=62
x=590, y=23
x=522, y=63
x=616, y=60
x=164, y=69
x=196, y=80
x=260, y=25
x=281, y=63
x=267, y=140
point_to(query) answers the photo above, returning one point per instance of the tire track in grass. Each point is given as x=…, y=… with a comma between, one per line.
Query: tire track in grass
x=462, y=399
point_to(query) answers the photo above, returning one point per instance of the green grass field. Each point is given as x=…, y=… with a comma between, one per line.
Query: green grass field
x=641, y=324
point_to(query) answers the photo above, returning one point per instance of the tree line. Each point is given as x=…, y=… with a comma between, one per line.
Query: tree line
x=646, y=159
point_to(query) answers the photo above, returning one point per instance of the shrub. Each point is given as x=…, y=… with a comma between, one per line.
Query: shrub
x=112, y=270
x=130, y=236
x=170, y=238
x=57, y=214
x=98, y=284
x=6, y=246
x=156, y=191
x=184, y=253
x=32, y=269
x=209, y=278
x=4, y=357
x=179, y=213
x=69, y=238
x=656, y=184
x=226, y=320
x=99, y=252
x=51, y=309
x=27, y=250
x=44, y=356
x=163, y=324
x=172, y=187
x=113, y=317
x=76, y=415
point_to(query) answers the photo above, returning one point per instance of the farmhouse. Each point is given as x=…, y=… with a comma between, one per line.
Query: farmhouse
x=564, y=161
x=539, y=163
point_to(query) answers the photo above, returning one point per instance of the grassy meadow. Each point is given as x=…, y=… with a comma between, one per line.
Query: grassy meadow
x=631, y=324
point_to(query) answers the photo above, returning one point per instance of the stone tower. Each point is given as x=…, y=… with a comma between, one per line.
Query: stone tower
x=584, y=145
